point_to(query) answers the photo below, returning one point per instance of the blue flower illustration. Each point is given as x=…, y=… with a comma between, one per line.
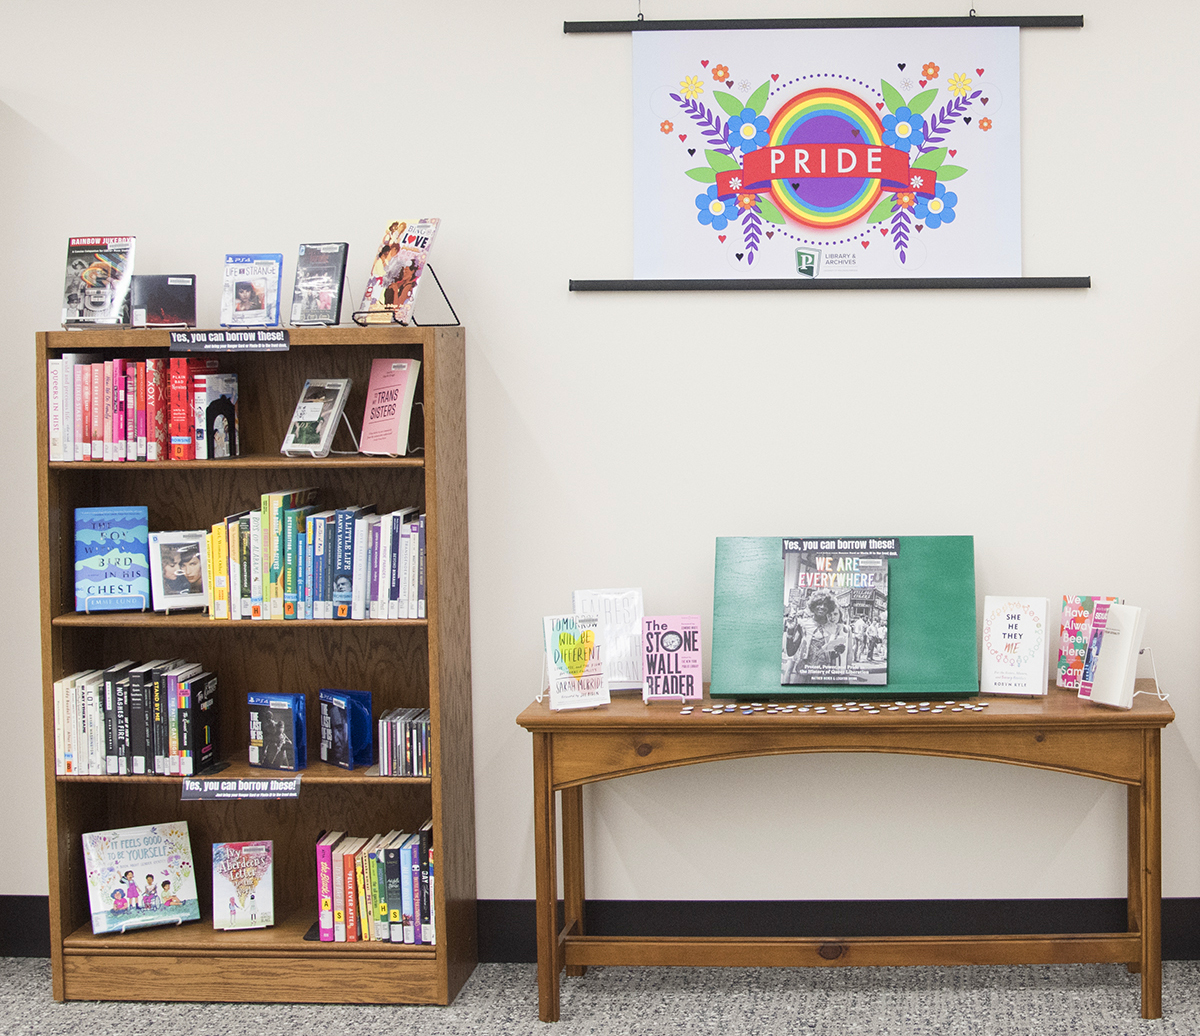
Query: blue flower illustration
x=903, y=130
x=937, y=210
x=748, y=130
x=714, y=212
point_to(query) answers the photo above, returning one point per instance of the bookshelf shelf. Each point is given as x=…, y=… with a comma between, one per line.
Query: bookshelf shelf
x=408, y=662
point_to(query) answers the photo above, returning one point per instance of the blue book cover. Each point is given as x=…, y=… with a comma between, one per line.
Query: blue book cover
x=347, y=733
x=112, y=559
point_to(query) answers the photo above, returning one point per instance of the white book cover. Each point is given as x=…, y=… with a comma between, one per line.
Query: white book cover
x=1110, y=669
x=574, y=649
x=620, y=614
x=1016, y=648
x=243, y=883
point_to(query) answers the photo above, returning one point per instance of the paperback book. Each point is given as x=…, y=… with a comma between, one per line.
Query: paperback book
x=1077, y=612
x=112, y=559
x=347, y=732
x=1110, y=674
x=396, y=272
x=620, y=613
x=250, y=292
x=320, y=275
x=672, y=663
x=139, y=877
x=574, y=660
x=163, y=300
x=243, y=883
x=177, y=569
x=278, y=733
x=99, y=270
x=315, y=420
x=1016, y=655
x=390, y=394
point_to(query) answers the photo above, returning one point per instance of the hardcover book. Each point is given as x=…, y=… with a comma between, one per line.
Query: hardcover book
x=216, y=416
x=573, y=658
x=112, y=559
x=347, y=736
x=1076, y=629
x=320, y=275
x=672, y=663
x=139, y=877
x=243, y=883
x=163, y=300
x=315, y=420
x=396, y=272
x=390, y=395
x=1016, y=655
x=97, y=285
x=250, y=293
x=278, y=733
x=620, y=614
x=177, y=569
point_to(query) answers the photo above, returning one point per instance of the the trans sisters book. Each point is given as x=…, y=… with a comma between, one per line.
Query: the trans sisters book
x=390, y=395
x=278, y=733
x=320, y=274
x=671, y=657
x=243, y=882
x=1016, y=646
x=315, y=419
x=347, y=733
x=250, y=292
x=620, y=614
x=99, y=270
x=139, y=877
x=835, y=617
x=1110, y=667
x=1076, y=628
x=396, y=272
x=163, y=300
x=573, y=657
x=112, y=559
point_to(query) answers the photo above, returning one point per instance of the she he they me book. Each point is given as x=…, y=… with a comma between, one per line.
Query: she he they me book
x=1016, y=655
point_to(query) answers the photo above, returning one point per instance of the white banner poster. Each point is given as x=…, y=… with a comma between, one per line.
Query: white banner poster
x=818, y=153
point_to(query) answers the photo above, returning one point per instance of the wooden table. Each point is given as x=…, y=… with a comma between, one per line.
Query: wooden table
x=1058, y=732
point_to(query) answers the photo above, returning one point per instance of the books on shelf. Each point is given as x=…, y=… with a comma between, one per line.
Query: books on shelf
x=1016, y=655
x=396, y=272
x=620, y=613
x=315, y=420
x=672, y=662
x=163, y=300
x=347, y=736
x=320, y=276
x=250, y=290
x=388, y=411
x=1075, y=632
x=1110, y=666
x=574, y=652
x=278, y=732
x=140, y=877
x=96, y=291
x=243, y=884
x=112, y=559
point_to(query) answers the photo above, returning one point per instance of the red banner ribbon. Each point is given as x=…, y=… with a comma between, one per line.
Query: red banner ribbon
x=821, y=161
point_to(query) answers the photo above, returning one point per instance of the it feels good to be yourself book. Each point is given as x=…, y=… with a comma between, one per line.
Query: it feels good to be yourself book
x=139, y=877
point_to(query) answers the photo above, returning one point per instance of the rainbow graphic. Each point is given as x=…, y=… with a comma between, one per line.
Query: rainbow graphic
x=825, y=116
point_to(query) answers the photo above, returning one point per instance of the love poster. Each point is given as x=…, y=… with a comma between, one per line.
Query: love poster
x=819, y=153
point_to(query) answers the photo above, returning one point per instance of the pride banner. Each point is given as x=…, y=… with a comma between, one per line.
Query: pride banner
x=822, y=161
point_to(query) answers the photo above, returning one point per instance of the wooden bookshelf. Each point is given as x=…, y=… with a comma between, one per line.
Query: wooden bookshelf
x=414, y=662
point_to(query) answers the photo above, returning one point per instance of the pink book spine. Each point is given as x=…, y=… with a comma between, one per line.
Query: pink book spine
x=78, y=371
x=131, y=413
x=118, y=417
x=140, y=409
x=1095, y=640
x=156, y=414
x=97, y=411
x=325, y=892
x=107, y=427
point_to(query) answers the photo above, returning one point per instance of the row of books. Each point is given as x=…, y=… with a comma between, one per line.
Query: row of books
x=404, y=743
x=152, y=409
x=378, y=888
x=155, y=718
x=101, y=288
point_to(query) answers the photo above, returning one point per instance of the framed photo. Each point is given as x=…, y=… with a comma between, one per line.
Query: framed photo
x=179, y=570
x=316, y=418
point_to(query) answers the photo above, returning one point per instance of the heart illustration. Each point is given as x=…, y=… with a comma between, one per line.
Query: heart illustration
x=739, y=255
x=682, y=137
x=691, y=151
x=900, y=65
x=924, y=81
x=967, y=119
x=576, y=652
x=983, y=100
x=721, y=238
x=979, y=71
x=411, y=238
x=879, y=106
x=774, y=77
x=855, y=132
x=920, y=227
x=884, y=230
x=866, y=244
x=953, y=152
x=705, y=64
x=770, y=234
x=795, y=187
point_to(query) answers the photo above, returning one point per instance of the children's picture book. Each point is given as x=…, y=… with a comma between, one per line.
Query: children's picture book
x=320, y=275
x=315, y=420
x=1016, y=646
x=620, y=614
x=250, y=291
x=112, y=559
x=278, y=732
x=243, y=884
x=1109, y=674
x=573, y=657
x=1076, y=628
x=177, y=569
x=139, y=877
x=671, y=659
x=163, y=300
x=99, y=270
x=390, y=395
x=347, y=732
x=396, y=272
x=835, y=618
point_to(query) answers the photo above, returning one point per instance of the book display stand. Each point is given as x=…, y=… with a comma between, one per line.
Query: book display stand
x=420, y=663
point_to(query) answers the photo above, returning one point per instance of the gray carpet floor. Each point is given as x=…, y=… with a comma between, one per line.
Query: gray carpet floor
x=501, y=999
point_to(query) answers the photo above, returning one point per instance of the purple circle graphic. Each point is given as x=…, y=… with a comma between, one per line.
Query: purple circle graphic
x=828, y=192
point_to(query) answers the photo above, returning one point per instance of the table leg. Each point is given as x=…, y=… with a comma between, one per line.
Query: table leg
x=1133, y=846
x=573, y=894
x=546, y=867
x=1151, y=884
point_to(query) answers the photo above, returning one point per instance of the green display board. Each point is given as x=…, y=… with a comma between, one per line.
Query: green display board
x=931, y=622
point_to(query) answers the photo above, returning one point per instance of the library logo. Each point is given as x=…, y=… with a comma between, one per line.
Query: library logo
x=808, y=261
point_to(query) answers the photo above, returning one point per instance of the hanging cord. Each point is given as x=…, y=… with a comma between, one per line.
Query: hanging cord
x=542, y=682
x=1158, y=692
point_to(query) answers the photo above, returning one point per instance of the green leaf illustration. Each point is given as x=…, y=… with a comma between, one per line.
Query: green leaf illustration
x=769, y=212
x=932, y=160
x=891, y=96
x=883, y=209
x=950, y=172
x=703, y=174
x=922, y=101
x=730, y=103
x=721, y=163
x=759, y=98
